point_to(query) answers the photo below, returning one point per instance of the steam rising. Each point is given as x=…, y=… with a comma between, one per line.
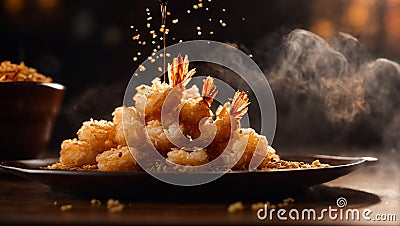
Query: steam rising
x=334, y=91
x=313, y=67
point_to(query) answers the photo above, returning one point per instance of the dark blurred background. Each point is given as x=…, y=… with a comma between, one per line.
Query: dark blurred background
x=87, y=46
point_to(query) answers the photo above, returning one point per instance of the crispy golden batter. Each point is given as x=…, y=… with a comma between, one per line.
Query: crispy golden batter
x=105, y=146
x=117, y=159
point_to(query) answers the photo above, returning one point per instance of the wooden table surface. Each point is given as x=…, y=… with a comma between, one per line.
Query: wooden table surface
x=375, y=188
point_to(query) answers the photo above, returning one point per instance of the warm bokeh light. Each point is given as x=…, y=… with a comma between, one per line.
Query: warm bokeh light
x=48, y=4
x=392, y=25
x=323, y=27
x=13, y=6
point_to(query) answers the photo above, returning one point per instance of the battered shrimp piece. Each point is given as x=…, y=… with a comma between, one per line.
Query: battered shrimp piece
x=100, y=135
x=187, y=158
x=227, y=116
x=129, y=127
x=150, y=100
x=249, y=140
x=195, y=109
x=140, y=97
x=192, y=92
x=158, y=137
x=77, y=153
x=117, y=159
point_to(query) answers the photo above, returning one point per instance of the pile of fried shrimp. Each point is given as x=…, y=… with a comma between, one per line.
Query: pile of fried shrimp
x=101, y=145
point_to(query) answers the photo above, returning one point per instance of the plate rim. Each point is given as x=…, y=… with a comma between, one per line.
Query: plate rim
x=10, y=165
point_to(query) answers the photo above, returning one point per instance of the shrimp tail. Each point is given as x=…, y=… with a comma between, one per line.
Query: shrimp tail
x=239, y=107
x=178, y=71
x=209, y=91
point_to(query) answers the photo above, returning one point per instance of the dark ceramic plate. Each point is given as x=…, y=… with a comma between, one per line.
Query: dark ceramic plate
x=142, y=185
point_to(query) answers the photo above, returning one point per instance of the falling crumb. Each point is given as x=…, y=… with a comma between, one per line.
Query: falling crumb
x=257, y=206
x=114, y=206
x=95, y=202
x=161, y=55
x=223, y=24
x=159, y=69
x=251, y=55
x=199, y=33
x=135, y=58
x=223, y=10
x=136, y=37
x=175, y=21
x=198, y=28
x=153, y=60
x=211, y=32
x=55, y=203
x=188, y=11
x=143, y=43
x=148, y=25
x=200, y=5
x=153, y=42
x=235, y=207
x=180, y=40
x=132, y=27
x=209, y=19
x=207, y=9
x=149, y=18
x=162, y=29
x=243, y=18
x=136, y=74
x=195, y=6
x=139, y=53
x=168, y=13
x=147, y=9
x=167, y=54
x=65, y=208
x=142, y=68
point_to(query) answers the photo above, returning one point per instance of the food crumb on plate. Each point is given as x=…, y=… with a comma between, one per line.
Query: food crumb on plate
x=235, y=207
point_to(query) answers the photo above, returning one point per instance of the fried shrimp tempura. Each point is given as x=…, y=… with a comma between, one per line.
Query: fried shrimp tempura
x=188, y=158
x=99, y=135
x=189, y=122
x=150, y=100
x=158, y=137
x=228, y=121
x=117, y=159
x=196, y=109
x=248, y=140
x=77, y=153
